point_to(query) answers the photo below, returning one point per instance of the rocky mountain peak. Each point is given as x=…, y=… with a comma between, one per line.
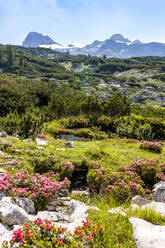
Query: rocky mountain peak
x=119, y=37
x=35, y=39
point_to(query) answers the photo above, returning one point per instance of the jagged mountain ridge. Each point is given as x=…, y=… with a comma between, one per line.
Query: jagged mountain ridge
x=116, y=46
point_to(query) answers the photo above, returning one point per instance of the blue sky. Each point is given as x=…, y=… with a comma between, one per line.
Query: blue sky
x=82, y=21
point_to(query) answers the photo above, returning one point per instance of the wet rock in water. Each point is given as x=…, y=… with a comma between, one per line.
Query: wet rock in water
x=158, y=192
x=26, y=203
x=11, y=214
x=147, y=235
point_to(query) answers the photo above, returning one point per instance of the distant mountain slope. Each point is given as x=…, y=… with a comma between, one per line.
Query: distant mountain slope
x=117, y=46
x=35, y=39
x=17, y=61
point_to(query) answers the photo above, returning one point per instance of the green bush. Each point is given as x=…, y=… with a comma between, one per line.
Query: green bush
x=121, y=185
x=146, y=169
x=151, y=146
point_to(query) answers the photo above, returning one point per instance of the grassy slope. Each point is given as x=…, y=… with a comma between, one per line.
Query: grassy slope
x=118, y=231
x=110, y=153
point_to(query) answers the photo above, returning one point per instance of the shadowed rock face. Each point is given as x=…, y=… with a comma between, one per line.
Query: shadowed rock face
x=35, y=39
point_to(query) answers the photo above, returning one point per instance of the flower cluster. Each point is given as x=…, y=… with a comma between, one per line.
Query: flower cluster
x=65, y=169
x=146, y=169
x=88, y=233
x=44, y=233
x=151, y=146
x=122, y=184
x=41, y=136
x=38, y=187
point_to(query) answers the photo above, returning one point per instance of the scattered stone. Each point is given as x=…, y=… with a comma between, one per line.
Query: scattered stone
x=26, y=203
x=147, y=235
x=51, y=206
x=12, y=214
x=2, y=195
x=27, y=140
x=64, y=192
x=137, y=199
x=69, y=144
x=80, y=193
x=3, y=134
x=2, y=153
x=41, y=148
x=158, y=192
x=116, y=211
x=2, y=170
x=3, y=230
x=9, y=156
x=41, y=142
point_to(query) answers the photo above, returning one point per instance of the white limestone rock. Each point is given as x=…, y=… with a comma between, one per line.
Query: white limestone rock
x=116, y=211
x=26, y=203
x=78, y=210
x=147, y=235
x=54, y=216
x=27, y=140
x=41, y=142
x=12, y=214
x=158, y=192
x=3, y=134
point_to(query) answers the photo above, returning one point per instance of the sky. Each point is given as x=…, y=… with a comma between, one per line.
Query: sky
x=82, y=21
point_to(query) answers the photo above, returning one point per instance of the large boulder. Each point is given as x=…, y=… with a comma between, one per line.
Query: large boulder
x=26, y=203
x=11, y=214
x=158, y=192
x=78, y=210
x=147, y=235
x=54, y=216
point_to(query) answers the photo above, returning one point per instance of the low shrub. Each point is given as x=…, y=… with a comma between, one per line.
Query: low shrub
x=44, y=233
x=121, y=185
x=151, y=146
x=45, y=164
x=39, y=188
x=146, y=169
x=75, y=122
